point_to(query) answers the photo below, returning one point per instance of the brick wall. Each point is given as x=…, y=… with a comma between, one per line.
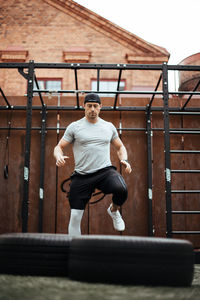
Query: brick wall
x=45, y=32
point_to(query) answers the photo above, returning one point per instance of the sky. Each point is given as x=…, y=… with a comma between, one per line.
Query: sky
x=171, y=24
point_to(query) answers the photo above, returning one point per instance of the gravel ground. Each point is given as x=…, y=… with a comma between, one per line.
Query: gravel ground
x=54, y=288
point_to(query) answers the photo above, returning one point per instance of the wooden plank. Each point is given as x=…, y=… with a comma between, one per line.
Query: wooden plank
x=11, y=189
x=158, y=165
x=135, y=209
x=192, y=162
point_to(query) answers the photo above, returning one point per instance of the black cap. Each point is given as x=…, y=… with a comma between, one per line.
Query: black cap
x=92, y=98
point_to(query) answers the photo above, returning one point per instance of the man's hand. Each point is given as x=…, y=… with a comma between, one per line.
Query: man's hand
x=60, y=160
x=126, y=165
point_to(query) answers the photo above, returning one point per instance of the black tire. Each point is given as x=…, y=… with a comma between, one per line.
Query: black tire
x=34, y=254
x=131, y=260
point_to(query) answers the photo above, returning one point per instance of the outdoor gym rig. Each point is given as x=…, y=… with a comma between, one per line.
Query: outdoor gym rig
x=30, y=76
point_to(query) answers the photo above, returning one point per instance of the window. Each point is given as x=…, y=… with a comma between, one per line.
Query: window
x=50, y=84
x=108, y=85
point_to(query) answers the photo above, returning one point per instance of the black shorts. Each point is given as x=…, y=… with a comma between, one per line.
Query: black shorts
x=107, y=180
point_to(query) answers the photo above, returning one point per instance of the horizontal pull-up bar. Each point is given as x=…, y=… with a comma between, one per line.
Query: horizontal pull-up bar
x=100, y=92
x=123, y=129
x=63, y=128
x=83, y=66
x=115, y=92
x=100, y=66
x=104, y=108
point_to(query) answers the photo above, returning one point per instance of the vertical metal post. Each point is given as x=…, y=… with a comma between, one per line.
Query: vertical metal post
x=167, y=152
x=42, y=164
x=98, y=78
x=76, y=84
x=25, y=202
x=149, y=171
x=118, y=85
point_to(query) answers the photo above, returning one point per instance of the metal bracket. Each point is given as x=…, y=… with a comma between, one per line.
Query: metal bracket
x=21, y=71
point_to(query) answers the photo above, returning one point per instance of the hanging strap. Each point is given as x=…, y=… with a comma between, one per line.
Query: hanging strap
x=94, y=194
x=5, y=171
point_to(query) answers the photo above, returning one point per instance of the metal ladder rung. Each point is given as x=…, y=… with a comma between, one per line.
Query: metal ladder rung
x=185, y=212
x=184, y=113
x=185, y=191
x=185, y=171
x=184, y=131
x=185, y=151
x=185, y=232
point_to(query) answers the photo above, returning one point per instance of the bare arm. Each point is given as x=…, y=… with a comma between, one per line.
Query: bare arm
x=58, y=153
x=122, y=154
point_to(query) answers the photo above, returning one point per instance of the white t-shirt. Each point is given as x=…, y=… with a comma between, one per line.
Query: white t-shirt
x=91, y=144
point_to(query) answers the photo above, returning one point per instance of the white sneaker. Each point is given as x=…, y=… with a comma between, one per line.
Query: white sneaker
x=118, y=222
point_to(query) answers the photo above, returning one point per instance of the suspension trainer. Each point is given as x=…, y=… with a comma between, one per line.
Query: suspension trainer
x=6, y=157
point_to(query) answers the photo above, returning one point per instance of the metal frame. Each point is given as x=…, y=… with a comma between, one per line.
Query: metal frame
x=149, y=109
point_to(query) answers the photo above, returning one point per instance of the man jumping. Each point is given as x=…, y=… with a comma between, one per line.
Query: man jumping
x=91, y=137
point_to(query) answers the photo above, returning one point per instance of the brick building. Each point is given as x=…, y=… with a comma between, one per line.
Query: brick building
x=64, y=31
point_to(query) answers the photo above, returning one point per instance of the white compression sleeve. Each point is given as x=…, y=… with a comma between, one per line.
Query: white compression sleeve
x=74, y=227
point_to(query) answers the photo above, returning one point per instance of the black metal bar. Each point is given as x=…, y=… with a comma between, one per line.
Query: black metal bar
x=185, y=151
x=185, y=171
x=195, y=88
x=158, y=83
x=184, y=93
x=184, y=67
x=115, y=92
x=100, y=66
x=185, y=191
x=100, y=92
x=4, y=97
x=63, y=128
x=98, y=78
x=185, y=232
x=21, y=71
x=123, y=129
x=149, y=171
x=76, y=85
x=184, y=129
x=181, y=131
x=25, y=202
x=42, y=165
x=40, y=95
x=104, y=108
x=118, y=85
x=184, y=113
x=167, y=150
x=186, y=212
